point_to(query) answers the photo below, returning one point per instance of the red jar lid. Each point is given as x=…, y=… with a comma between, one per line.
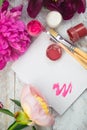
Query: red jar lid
x=54, y=51
x=77, y=32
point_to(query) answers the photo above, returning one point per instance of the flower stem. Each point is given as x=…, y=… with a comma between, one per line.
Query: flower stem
x=33, y=128
x=16, y=126
x=13, y=126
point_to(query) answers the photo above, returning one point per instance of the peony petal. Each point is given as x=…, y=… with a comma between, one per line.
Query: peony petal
x=18, y=8
x=33, y=108
x=34, y=7
x=17, y=11
x=5, y=5
x=14, y=55
x=2, y=62
x=66, y=7
x=81, y=6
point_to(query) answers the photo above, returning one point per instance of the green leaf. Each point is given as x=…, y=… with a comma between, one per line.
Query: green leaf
x=33, y=128
x=6, y=111
x=16, y=126
x=1, y=1
x=22, y=118
x=16, y=102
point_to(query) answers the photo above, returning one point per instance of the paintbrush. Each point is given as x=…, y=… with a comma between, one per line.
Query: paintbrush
x=75, y=55
x=72, y=48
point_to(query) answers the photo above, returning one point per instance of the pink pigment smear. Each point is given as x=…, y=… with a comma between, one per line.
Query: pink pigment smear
x=64, y=90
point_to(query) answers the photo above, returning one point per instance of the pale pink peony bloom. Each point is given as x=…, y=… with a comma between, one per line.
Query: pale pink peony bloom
x=14, y=38
x=35, y=106
x=34, y=28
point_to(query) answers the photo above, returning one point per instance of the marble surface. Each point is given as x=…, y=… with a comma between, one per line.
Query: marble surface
x=75, y=118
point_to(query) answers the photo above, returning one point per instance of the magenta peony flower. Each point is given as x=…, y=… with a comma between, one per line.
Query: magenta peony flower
x=34, y=28
x=14, y=38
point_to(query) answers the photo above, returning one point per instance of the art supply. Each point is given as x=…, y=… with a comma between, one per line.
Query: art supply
x=77, y=32
x=78, y=35
x=74, y=51
x=60, y=82
x=34, y=28
x=53, y=19
x=54, y=52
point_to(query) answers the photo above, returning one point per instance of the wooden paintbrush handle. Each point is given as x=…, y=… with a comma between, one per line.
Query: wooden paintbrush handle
x=80, y=52
x=75, y=57
x=79, y=56
x=80, y=61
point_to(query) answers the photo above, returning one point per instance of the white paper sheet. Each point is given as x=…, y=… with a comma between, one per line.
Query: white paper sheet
x=61, y=81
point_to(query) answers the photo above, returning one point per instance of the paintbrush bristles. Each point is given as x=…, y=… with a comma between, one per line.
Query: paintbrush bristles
x=53, y=33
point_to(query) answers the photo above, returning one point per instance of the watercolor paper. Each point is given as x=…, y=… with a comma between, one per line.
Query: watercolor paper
x=61, y=81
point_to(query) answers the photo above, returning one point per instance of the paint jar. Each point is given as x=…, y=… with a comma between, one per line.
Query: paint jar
x=78, y=36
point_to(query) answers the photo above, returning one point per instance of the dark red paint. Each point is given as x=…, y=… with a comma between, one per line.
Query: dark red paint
x=77, y=32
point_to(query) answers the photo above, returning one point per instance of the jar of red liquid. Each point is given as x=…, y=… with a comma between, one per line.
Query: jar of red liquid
x=78, y=36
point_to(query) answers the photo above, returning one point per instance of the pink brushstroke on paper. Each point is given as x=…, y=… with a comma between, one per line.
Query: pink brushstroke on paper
x=64, y=90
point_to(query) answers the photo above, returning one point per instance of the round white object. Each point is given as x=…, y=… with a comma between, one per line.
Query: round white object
x=53, y=19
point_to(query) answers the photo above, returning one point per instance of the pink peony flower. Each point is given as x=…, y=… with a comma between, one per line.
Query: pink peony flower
x=14, y=38
x=5, y=5
x=35, y=106
x=34, y=28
